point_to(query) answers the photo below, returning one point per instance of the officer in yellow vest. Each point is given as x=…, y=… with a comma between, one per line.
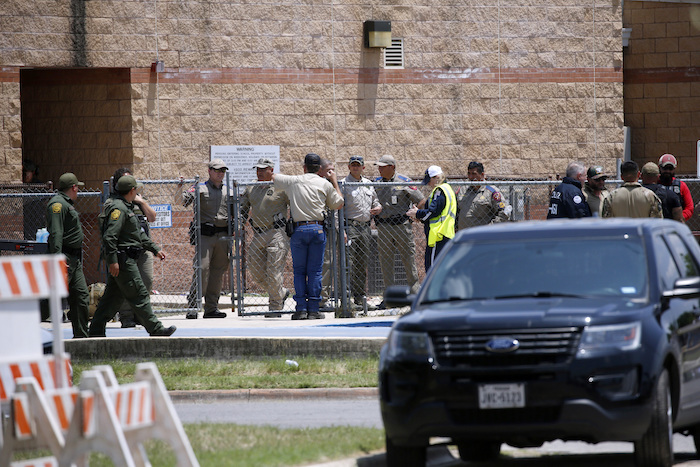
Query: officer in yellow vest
x=439, y=216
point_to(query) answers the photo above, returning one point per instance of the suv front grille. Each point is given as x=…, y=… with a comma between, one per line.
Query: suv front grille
x=537, y=347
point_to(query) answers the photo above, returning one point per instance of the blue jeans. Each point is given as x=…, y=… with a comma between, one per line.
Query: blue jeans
x=307, y=245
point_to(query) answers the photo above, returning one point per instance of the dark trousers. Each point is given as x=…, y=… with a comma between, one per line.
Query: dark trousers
x=126, y=286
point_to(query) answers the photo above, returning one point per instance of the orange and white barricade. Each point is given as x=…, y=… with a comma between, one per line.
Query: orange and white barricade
x=25, y=373
x=42, y=408
x=122, y=417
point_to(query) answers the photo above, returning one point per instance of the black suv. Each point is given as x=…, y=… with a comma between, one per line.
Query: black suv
x=528, y=332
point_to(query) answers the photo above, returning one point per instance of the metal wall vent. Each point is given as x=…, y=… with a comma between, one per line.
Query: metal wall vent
x=393, y=56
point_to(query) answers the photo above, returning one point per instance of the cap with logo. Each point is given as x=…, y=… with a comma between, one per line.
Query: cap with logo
x=386, y=160
x=126, y=183
x=67, y=180
x=264, y=163
x=312, y=159
x=650, y=169
x=359, y=159
x=217, y=164
x=668, y=159
x=596, y=172
x=432, y=171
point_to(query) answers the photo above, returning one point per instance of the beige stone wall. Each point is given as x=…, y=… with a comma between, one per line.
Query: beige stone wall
x=662, y=81
x=509, y=83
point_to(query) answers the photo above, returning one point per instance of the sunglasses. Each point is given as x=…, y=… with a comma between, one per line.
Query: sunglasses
x=221, y=170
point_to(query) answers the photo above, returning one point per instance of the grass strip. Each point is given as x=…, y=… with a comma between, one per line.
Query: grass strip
x=261, y=373
x=226, y=445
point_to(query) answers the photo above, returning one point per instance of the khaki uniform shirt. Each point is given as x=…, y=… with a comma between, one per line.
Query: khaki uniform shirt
x=309, y=195
x=212, y=201
x=481, y=206
x=267, y=202
x=396, y=200
x=63, y=224
x=632, y=200
x=594, y=202
x=123, y=230
x=359, y=199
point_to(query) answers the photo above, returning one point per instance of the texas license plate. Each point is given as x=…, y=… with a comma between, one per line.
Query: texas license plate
x=501, y=396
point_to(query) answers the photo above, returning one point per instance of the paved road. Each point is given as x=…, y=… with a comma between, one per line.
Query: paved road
x=297, y=413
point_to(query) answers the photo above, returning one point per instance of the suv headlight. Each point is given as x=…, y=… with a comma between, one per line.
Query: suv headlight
x=597, y=339
x=410, y=346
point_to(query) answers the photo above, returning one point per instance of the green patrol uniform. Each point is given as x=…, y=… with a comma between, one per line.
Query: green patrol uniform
x=123, y=242
x=66, y=236
x=267, y=253
x=144, y=261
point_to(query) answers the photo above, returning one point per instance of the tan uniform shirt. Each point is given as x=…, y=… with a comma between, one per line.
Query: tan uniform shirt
x=632, y=200
x=213, y=203
x=267, y=203
x=309, y=195
x=594, y=202
x=480, y=206
x=396, y=200
x=359, y=199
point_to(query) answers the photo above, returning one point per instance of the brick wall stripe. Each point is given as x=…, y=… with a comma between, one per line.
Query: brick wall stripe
x=662, y=75
x=322, y=76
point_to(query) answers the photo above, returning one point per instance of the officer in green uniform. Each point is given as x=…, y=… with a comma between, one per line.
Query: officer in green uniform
x=145, y=214
x=66, y=236
x=123, y=242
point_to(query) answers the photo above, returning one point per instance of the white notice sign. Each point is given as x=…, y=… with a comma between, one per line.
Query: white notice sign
x=164, y=216
x=241, y=159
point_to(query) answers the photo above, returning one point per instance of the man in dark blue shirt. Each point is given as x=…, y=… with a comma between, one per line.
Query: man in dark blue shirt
x=567, y=200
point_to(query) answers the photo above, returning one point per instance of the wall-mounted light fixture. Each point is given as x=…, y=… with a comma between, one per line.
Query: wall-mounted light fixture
x=377, y=33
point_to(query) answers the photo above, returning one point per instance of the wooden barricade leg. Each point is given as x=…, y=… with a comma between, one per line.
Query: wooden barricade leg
x=167, y=425
x=107, y=435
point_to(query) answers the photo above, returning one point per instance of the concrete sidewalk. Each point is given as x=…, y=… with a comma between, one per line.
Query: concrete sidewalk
x=235, y=337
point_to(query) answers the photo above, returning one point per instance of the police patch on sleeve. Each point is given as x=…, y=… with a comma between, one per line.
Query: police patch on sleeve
x=577, y=199
x=56, y=208
x=496, y=196
x=115, y=214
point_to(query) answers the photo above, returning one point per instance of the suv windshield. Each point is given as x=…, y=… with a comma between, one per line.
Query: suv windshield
x=599, y=266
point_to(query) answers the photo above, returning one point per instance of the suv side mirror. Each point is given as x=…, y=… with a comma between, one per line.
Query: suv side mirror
x=688, y=287
x=398, y=295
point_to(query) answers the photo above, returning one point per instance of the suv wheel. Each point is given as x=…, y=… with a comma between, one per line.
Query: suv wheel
x=479, y=450
x=404, y=456
x=655, y=449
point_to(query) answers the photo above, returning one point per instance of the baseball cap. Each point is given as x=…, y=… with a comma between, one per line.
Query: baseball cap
x=667, y=159
x=126, y=183
x=650, y=169
x=431, y=172
x=216, y=164
x=386, y=160
x=312, y=159
x=264, y=163
x=67, y=180
x=359, y=159
x=595, y=172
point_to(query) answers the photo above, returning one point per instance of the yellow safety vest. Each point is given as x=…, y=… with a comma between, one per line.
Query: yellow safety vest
x=443, y=226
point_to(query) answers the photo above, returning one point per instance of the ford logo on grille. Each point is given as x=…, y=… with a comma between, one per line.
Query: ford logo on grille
x=502, y=345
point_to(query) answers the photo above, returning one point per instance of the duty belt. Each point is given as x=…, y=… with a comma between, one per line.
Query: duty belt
x=297, y=224
x=391, y=220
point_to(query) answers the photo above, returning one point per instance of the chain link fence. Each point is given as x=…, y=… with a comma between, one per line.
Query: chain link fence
x=358, y=255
